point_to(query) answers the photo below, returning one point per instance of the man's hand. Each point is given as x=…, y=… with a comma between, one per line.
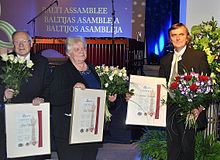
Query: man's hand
x=127, y=96
x=197, y=111
x=79, y=85
x=112, y=98
x=37, y=101
x=8, y=94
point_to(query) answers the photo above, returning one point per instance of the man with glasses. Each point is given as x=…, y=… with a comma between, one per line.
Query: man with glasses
x=35, y=90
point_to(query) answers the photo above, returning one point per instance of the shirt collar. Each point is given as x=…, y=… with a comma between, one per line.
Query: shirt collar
x=28, y=57
x=180, y=53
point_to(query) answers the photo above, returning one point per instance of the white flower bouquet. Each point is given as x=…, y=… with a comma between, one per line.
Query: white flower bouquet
x=114, y=81
x=15, y=70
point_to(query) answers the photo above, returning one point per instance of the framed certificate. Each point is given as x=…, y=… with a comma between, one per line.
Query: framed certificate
x=27, y=129
x=87, y=116
x=146, y=107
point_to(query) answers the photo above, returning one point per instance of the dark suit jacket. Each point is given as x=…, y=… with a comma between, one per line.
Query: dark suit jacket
x=191, y=59
x=64, y=78
x=37, y=85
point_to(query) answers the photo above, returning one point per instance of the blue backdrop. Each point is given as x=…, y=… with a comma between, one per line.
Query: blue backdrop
x=160, y=15
x=88, y=18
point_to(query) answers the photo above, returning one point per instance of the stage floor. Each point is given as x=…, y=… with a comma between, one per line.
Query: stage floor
x=114, y=151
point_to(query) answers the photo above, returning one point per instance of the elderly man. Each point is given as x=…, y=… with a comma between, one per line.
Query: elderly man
x=35, y=90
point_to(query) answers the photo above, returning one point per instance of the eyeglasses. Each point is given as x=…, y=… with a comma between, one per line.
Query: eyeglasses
x=23, y=42
x=79, y=49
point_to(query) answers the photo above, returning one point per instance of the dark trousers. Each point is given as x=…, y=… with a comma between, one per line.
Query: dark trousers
x=32, y=158
x=65, y=151
x=180, y=140
x=2, y=135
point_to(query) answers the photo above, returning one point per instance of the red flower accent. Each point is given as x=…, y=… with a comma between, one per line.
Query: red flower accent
x=173, y=85
x=188, y=77
x=193, y=87
x=203, y=78
x=177, y=78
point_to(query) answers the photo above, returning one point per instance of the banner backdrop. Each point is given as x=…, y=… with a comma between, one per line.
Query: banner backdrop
x=88, y=18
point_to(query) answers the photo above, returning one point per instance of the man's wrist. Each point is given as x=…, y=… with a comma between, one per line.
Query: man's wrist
x=201, y=108
x=5, y=99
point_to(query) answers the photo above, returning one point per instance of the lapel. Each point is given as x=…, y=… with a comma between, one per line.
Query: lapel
x=186, y=57
x=74, y=73
x=34, y=60
x=186, y=62
x=169, y=63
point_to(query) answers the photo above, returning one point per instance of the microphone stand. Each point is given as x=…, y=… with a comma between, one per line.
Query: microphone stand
x=33, y=23
x=113, y=32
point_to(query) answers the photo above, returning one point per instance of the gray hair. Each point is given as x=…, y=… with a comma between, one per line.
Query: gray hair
x=26, y=32
x=72, y=40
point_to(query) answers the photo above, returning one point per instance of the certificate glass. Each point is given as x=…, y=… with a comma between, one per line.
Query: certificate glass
x=87, y=116
x=146, y=107
x=27, y=129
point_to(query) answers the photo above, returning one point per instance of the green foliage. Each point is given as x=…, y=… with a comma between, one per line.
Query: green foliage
x=152, y=145
x=207, y=148
x=206, y=37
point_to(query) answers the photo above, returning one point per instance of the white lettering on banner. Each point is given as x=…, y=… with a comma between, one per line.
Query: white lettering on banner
x=76, y=10
x=84, y=29
x=89, y=10
x=84, y=20
x=104, y=20
x=62, y=28
x=101, y=29
x=74, y=19
x=63, y=20
x=53, y=10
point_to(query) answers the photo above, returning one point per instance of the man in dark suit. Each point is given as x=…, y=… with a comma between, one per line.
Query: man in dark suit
x=35, y=90
x=181, y=140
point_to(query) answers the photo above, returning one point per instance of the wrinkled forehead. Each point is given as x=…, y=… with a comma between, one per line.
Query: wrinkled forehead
x=78, y=44
x=21, y=36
